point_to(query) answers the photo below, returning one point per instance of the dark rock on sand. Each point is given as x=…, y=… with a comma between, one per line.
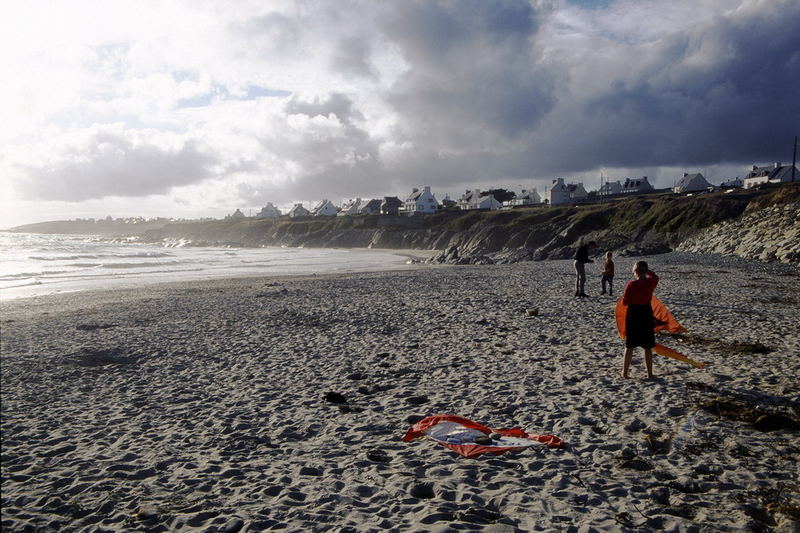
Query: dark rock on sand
x=335, y=397
x=379, y=456
x=417, y=400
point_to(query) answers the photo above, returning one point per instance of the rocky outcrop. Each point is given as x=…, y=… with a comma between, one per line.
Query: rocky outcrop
x=770, y=234
x=644, y=225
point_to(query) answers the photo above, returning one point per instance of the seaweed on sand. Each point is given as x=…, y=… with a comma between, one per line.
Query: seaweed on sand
x=747, y=411
x=736, y=347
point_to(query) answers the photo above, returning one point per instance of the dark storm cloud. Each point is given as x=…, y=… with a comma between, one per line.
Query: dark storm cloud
x=496, y=92
x=332, y=104
x=478, y=88
x=351, y=56
x=112, y=165
x=473, y=75
x=738, y=106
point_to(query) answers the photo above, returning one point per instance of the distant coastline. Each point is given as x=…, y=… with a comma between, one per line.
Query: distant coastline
x=631, y=226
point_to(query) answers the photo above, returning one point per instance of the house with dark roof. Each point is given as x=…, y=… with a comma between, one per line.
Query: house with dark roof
x=733, y=183
x=351, y=207
x=558, y=193
x=298, y=211
x=420, y=202
x=473, y=199
x=610, y=188
x=577, y=192
x=391, y=205
x=236, y=215
x=636, y=186
x=370, y=207
x=692, y=183
x=525, y=197
x=775, y=173
x=269, y=211
x=325, y=208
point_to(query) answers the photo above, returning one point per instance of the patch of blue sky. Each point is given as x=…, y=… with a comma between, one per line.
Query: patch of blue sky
x=254, y=91
x=220, y=92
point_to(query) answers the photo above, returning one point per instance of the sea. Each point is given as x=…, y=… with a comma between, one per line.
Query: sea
x=35, y=264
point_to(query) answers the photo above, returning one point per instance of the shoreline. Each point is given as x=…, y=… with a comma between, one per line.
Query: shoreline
x=125, y=280
x=202, y=404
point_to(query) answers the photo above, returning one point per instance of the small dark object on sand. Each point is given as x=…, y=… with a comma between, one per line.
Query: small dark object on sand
x=774, y=422
x=379, y=456
x=335, y=397
x=485, y=440
x=746, y=411
x=417, y=400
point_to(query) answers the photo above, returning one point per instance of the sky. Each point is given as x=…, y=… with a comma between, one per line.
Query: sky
x=196, y=108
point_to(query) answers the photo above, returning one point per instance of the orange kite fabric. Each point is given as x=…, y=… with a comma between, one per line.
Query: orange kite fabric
x=664, y=321
x=459, y=433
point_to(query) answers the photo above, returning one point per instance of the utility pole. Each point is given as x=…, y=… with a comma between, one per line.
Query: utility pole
x=600, y=193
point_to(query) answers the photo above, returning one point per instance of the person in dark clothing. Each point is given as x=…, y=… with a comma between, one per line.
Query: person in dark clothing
x=608, y=275
x=581, y=258
x=639, y=325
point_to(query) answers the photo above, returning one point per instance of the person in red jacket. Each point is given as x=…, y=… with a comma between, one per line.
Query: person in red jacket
x=639, y=319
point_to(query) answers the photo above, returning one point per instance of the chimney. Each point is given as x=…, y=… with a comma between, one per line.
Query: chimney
x=685, y=174
x=428, y=189
x=777, y=165
x=414, y=190
x=755, y=167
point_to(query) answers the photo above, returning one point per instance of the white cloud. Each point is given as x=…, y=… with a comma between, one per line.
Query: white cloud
x=294, y=100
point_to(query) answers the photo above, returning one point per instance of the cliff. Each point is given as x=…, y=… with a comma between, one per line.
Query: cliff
x=632, y=226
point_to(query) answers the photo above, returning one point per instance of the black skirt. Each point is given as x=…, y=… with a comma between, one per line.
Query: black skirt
x=639, y=327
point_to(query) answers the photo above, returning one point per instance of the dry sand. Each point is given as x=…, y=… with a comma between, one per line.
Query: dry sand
x=200, y=406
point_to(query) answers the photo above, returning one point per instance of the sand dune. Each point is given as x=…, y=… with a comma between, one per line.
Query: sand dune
x=202, y=406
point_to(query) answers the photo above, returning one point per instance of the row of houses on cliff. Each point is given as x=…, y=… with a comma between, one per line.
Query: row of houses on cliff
x=559, y=192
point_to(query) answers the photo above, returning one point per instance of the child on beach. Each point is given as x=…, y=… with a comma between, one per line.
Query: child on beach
x=608, y=274
x=639, y=318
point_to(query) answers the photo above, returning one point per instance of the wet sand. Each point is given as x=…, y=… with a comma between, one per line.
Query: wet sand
x=201, y=406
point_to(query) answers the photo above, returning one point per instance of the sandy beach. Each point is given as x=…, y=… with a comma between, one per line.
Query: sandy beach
x=201, y=406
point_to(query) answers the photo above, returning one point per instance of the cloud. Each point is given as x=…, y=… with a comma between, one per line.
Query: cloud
x=116, y=163
x=474, y=76
x=294, y=100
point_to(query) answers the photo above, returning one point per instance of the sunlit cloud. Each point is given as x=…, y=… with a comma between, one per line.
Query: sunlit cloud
x=207, y=108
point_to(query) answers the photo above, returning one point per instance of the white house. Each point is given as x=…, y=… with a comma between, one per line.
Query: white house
x=324, y=209
x=733, y=183
x=558, y=193
x=269, y=211
x=691, y=183
x=610, y=188
x=775, y=173
x=472, y=199
x=370, y=207
x=298, y=211
x=577, y=193
x=236, y=215
x=351, y=207
x=637, y=186
x=525, y=197
x=420, y=201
